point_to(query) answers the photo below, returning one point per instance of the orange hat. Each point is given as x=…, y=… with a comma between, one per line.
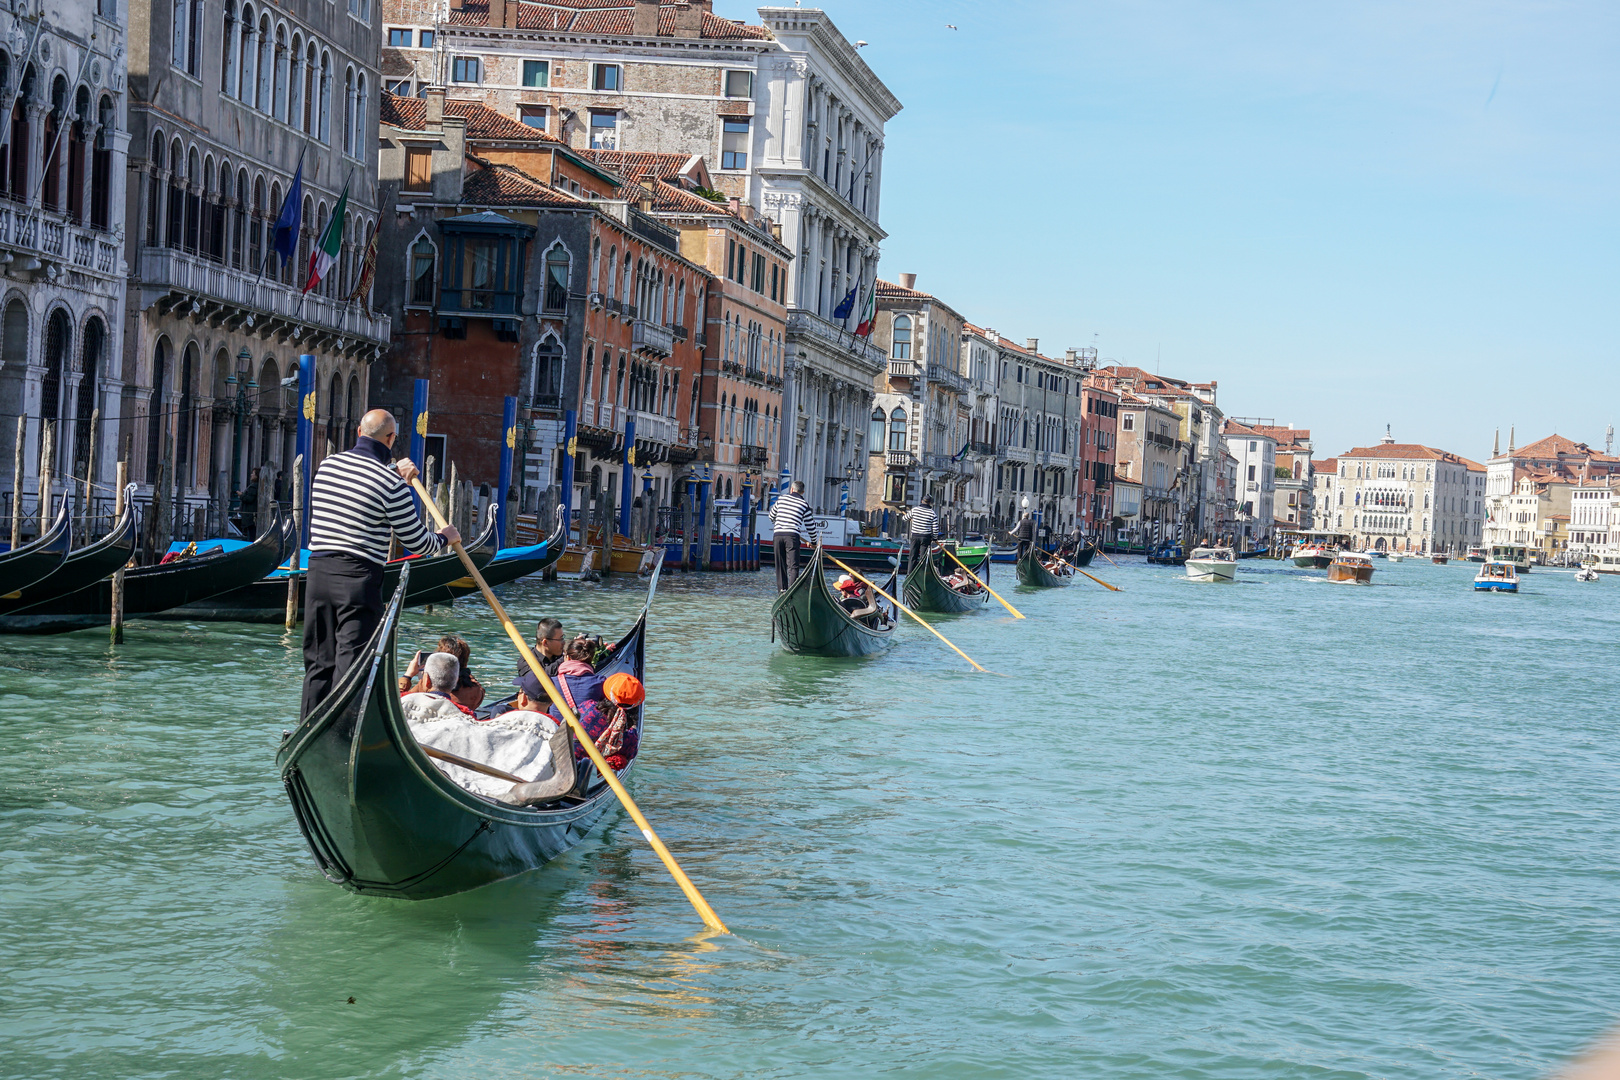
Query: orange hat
x=623, y=689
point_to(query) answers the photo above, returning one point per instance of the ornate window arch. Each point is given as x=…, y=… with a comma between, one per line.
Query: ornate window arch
x=548, y=372
x=423, y=265
x=558, y=261
x=897, y=428
x=902, y=338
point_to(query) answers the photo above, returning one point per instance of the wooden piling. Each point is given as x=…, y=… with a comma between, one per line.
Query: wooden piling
x=47, y=472
x=298, y=535
x=117, y=624
x=609, y=527
x=17, y=482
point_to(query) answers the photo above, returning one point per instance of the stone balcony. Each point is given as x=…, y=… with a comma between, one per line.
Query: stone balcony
x=805, y=324
x=751, y=455
x=650, y=427
x=650, y=337
x=45, y=244
x=899, y=459
x=226, y=297
x=946, y=377
x=902, y=369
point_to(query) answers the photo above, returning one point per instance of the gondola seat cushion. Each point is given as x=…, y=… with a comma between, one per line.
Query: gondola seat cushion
x=517, y=742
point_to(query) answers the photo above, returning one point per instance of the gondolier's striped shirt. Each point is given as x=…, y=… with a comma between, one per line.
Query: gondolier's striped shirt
x=923, y=521
x=356, y=501
x=792, y=514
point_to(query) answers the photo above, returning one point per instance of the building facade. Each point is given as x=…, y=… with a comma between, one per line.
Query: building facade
x=1256, y=456
x=63, y=73
x=1544, y=462
x=1406, y=497
x=1149, y=459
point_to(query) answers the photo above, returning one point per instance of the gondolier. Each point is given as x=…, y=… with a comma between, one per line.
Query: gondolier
x=923, y=528
x=357, y=502
x=1024, y=533
x=791, y=520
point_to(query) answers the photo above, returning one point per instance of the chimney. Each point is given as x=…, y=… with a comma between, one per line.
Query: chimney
x=776, y=230
x=689, y=19
x=1033, y=344
x=908, y=281
x=644, y=23
x=435, y=107
x=497, y=13
x=648, y=186
x=455, y=5
x=1072, y=355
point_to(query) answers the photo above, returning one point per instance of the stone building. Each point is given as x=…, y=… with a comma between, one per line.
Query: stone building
x=1295, y=481
x=1552, y=460
x=62, y=169
x=1404, y=497
x=1149, y=459
x=981, y=366
x=227, y=102
x=1099, y=445
x=1038, y=449
x=1256, y=454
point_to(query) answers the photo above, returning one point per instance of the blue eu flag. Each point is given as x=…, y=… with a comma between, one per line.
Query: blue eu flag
x=848, y=305
x=284, y=241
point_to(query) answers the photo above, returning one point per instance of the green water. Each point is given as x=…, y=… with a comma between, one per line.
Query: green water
x=1280, y=828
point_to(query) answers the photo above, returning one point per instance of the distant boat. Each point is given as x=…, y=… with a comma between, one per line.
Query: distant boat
x=1212, y=564
x=1586, y=573
x=1476, y=554
x=1351, y=567
x=1439, y=560
x=1517, y=554
x=1497, y=576
x=1396, y=558
x=1313, y=556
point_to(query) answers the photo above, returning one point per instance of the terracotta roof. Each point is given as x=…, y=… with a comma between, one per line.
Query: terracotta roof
x=896, y=292
x=484, y=124
x=1327, y=465
x=1232, y=427
x=490, y=184
x=1556, y=445
x=614, y=17
x=671, y=199
x=1408, y=452
x=634, y=164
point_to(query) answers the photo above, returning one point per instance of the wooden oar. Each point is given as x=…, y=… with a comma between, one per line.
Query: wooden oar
x=705, y=912
x=469, y=763
x=861, y=577
x=1104, y=554
x=1016, y=613
x=1093, y=577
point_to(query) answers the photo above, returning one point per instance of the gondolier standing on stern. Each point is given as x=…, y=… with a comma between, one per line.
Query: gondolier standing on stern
x=923, y=530
x=359, y=498
x=790, y=519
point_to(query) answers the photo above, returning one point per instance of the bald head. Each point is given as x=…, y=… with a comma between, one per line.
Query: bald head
x=377, y=424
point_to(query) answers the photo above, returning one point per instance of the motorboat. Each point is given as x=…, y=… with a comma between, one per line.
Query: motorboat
x=1517, y=554
x=1351, y=567
x=1586, y=573
x=1396, y=558
x=1212, y=564
x=1313, y=556
x=1497, y=575
x=1439, y=560
x=1476, y=554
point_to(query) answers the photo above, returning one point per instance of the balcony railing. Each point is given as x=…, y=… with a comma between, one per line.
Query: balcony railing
x=940, y=374
x=902, y=369
x=650, y=427
x=982, y=449
x=942, y=463
x=731, y=367
x=754, y=374
x=650, y=337
x=805, y=324
x=53, y=238
x=614, y=305
x=751, y=455
x=774, y=381
x=700, y=339
x=899, y=459
x=491, y=302
x=236, y=295
x=681, y=333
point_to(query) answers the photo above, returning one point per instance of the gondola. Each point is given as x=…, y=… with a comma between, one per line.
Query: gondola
x=807, y=617
x=1032, y=573
x=382, y=819
x=80, y=568
x=265, y=600
x=31, y=562
x=152, y=589
x=509, y=564
x=928, y=590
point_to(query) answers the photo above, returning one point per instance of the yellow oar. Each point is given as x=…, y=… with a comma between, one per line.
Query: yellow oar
x=1016, y=613
x=1104, y=554
x=1093, y=577
x=861, y=577
x=705, y=912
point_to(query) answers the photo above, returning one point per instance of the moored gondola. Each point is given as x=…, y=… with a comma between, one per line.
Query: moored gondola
x=509, y=564
x=807, y=617
x=31, y=562
x=381, y=818
x=152, y=589
x=80, y=568
x=928, y=588
x=1032, y=572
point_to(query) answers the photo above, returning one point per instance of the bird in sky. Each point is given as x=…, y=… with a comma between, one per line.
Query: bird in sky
x=950, y=26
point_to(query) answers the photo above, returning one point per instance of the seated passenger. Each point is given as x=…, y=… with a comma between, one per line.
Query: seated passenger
x=849, y=594
x=611, y=721
x=576, y=680
x=468, y=690
x=434, y=701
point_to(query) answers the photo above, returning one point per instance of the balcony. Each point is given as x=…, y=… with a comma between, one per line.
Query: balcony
x=48, y=238
x=489, y=303
x=235, y=299
x=650, y=427
x=900, y=459
x=947, y=377
x=613, y=305
x=731, y=367
x=681, y=333
x=902, y=369
x=832, y=337
x=652, y=338
x=752, y=455
x=981, y=449
x=700, y=339
x=774, y=381
x=754, y=374
x=942, y=463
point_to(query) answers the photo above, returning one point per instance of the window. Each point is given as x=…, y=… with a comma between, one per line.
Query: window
x=536, y=73
x=1127, y=422
x=1252, y=447
x=1251, y=472
x=874, y=435
x=425, y=41
x=422, y=258
x=759, y=272
x=418, y=168
x=466, y=69
x=902, y=337
x=734, y=143
x=606, y=77
x=604, y=130
x=399, y=39
x=556, y=297
x=897, y=429
x=401, y=87
x=536, y=116
x=739, y=84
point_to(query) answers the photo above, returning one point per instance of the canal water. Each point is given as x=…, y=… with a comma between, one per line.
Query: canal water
x=1279, y=828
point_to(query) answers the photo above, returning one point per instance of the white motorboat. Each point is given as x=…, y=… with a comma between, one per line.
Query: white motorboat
x=1586, y=573
x=1396, y=558
x=1212, y=564
x=1497, y=576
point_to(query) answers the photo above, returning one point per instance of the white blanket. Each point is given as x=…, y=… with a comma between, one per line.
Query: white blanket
x=514, y=743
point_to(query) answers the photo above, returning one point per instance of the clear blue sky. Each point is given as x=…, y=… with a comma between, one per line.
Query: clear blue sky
x=1349, y=214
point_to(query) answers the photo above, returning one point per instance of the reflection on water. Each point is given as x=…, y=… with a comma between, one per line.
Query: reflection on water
x=1199, y=832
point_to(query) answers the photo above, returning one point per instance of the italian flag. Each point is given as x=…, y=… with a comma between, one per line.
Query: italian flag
x=329, y=245
x=868, y=311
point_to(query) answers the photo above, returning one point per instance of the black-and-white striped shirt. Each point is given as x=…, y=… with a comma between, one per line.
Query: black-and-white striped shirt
x=923, y=521
x=357, y=501
x=792, y=514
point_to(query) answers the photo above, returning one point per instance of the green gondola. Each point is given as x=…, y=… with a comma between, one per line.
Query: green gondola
x=807, y=618
x=1033, y=573
x=80, y=568
x=928, y=590
x=152, y=589
x=31, y=562
x=509, y=564
x=382, y=819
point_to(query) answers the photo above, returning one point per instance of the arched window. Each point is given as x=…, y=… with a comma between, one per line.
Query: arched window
x=874, y=434
x=295, y=81
x=311, y=89
x=154, y=411
x=267, y=62
x=256, y=227
x=422, y=260
x=587, y=389
x=618, y=383
x=227, y=63
x=556, y=298
x=902, y=337
x=897, y=429
x=51, y=190
x=154, y=194
x=548, y=372
x=185, y=419
x=596, y=264
x=359, y=114
x=278, y=93
x=248, y=58
x=612, y=264
x=101, y=165
x=175, y=215
x=348, y=112
x=326, y=98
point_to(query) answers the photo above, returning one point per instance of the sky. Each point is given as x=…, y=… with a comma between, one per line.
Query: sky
x=1346, y=214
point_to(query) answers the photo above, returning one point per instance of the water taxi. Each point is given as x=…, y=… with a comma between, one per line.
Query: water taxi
x=1396, y=558
x=1586, y=573
x=1517, y=554
x=1476, y=554
x=1351, y=567
x=1212, y=564
x=1314, y=555
x=1497, y=576
x=1439, y=560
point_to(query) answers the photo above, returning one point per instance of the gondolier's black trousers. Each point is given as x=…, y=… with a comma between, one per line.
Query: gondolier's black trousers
x=921, y=543
x=342, y=606
x=1023, y=547
x=785, y=553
